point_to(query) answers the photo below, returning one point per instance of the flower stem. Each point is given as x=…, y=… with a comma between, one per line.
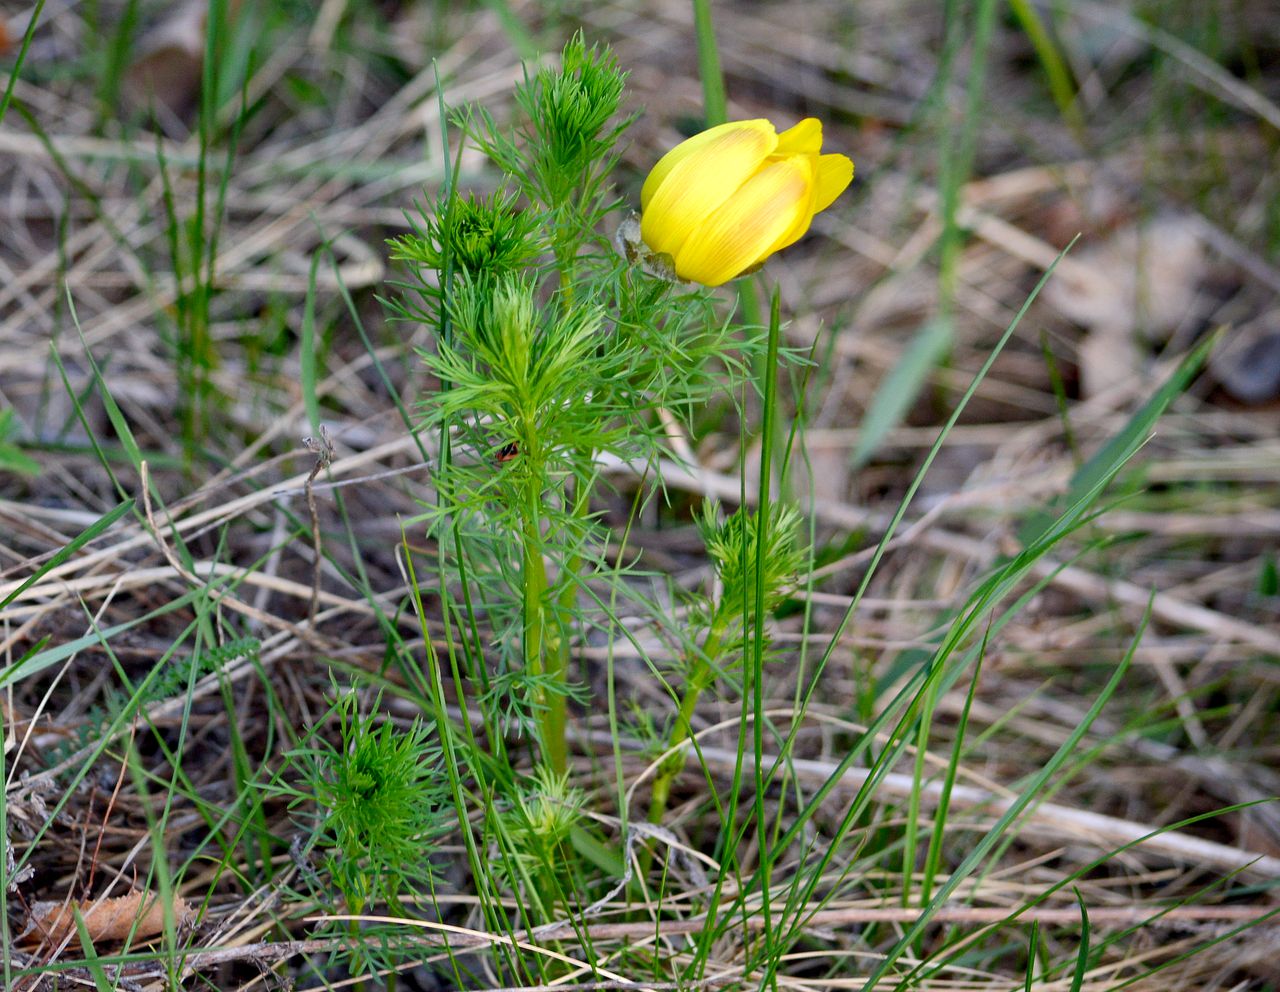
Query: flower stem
x=551, y=716
x=700, y=676
x=714, y=103
x=558, y=646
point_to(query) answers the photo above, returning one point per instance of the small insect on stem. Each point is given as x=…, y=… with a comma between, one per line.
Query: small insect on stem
x=507, y=452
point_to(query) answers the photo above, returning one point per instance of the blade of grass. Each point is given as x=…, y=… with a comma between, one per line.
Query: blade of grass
x=986, y=594
x=91, y=962
x=16, y=71
x=13, y=458
x=1124, y=444
x=898, y=390
x=909, y=496
x=732, y=837
x=90, y=533
x=944, y=958
x=1015, y=809
x=933, y=858
x=1059, y=396
x=960, y=144
x=308, y=356
x=764, y=513
x=117, y=57
x=1082, y=956
x=1033, y=950
x=159, y=875
x=1135, y=433
x=1055, y=68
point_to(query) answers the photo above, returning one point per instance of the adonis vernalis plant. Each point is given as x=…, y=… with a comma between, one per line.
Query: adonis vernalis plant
x=557, y=356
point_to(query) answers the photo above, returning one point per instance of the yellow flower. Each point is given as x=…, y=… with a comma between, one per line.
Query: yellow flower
x=728, y=198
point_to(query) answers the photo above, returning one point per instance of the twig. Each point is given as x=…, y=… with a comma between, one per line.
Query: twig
x=226, y=597
x=1165, y=607
x=323, y=450
x=850, y=916
x=1052, y=817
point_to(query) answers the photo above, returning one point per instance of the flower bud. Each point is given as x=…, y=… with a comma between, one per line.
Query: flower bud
x=723, y=201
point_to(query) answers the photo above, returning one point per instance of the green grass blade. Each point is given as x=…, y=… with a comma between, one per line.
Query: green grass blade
x=1104, y=465
x=16, y=71
x=1135, y=433
x=1082, y=956
x=764, y=513
x=933, y=857
x=90, y=533
x=1033, y=952
x=13, y=458
x=898, y=390
x=960, y=142
x=91, y=962
x=907, y=498
x=1055, y=68
x=1028, y=795
x=36, y=663
x=309, y=357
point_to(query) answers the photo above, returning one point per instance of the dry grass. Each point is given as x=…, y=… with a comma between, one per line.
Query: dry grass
x=345, y=133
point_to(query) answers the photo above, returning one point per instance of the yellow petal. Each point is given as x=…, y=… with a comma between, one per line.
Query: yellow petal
x=803, y=218
x=835, y=173
x=803, y=139
x=690, y=145
x=701, y=179
x=741, y=231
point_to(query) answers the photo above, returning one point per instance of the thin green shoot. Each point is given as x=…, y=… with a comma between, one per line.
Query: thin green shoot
x=16, y=71
x=1061, y=86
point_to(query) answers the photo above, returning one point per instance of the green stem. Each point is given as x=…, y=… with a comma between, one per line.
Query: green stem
x=714, y=103
x=910, y=851
x=699, y=678
x=555, y=703
x=566, y=254
x=755, y=661
x=555, y=717
x=566, y=602
x=353, y=931
x=552, y=715
x=715, y=108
